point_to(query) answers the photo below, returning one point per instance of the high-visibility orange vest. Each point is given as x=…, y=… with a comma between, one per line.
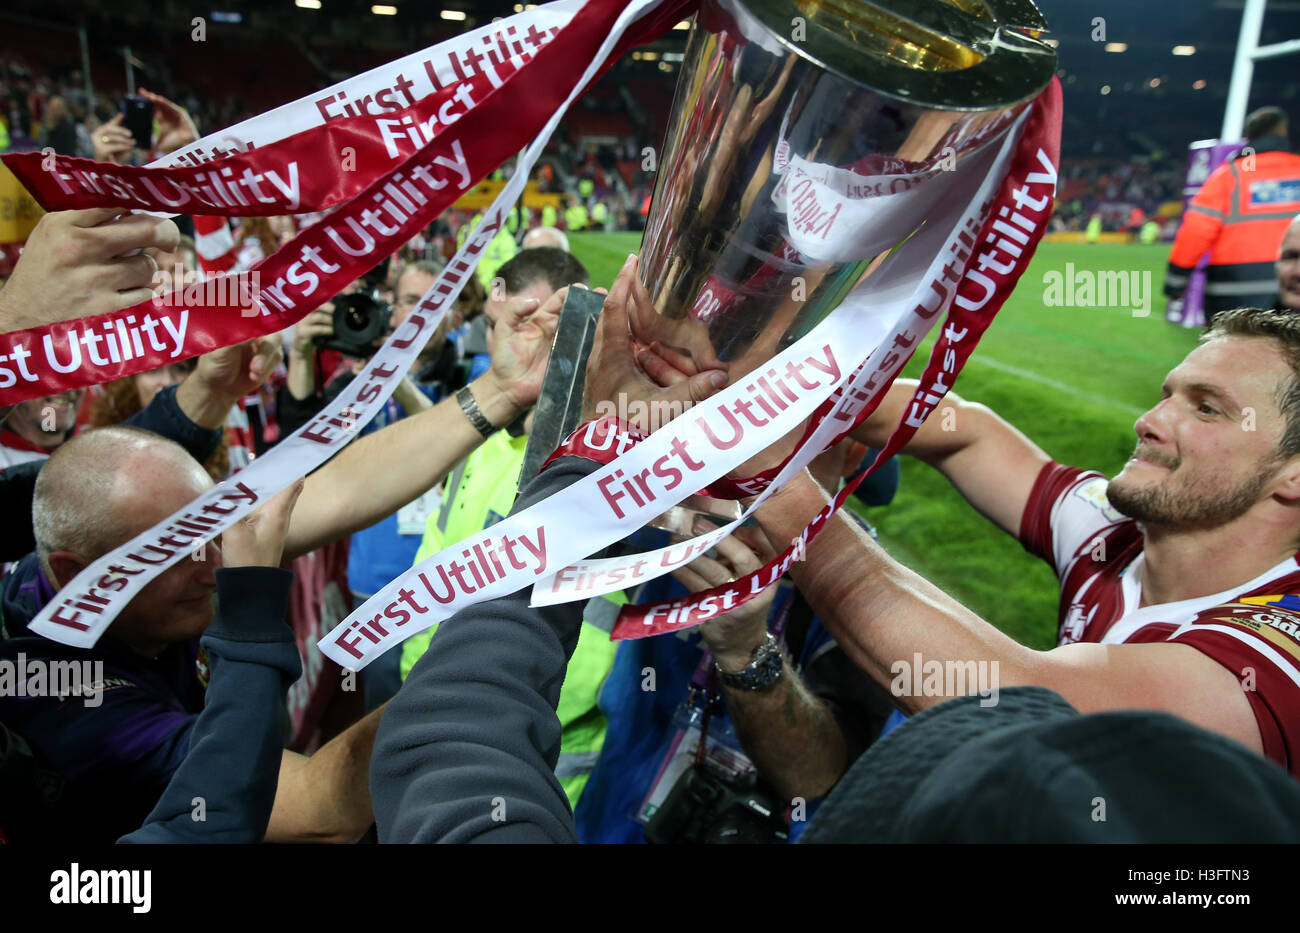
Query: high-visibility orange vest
x=1239, y=217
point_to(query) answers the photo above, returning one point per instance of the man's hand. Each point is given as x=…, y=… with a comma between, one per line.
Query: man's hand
x=224, y=376
x=257, y=539
x=301, y=381
x=175, y=127
x=733, y=636
x=521, y=347
x=81, y=263
x=791, y=736
x=113, y=142
x=320, y=323
x=618, y=367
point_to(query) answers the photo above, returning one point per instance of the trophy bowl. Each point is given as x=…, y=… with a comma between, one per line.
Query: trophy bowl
x=807, y=139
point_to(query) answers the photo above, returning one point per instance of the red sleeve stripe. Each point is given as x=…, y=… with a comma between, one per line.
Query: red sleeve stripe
x=1054, y=481
x=1287, y=665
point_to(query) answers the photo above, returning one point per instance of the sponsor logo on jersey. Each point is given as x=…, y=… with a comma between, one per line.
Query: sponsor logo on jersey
x=1093, y=492
x=1280, y=625
x=1282, y=602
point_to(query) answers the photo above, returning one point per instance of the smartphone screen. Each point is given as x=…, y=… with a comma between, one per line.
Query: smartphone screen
x=137, y=116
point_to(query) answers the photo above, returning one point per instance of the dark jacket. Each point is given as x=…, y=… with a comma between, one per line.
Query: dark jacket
x=236, y=743
x=466, y=751
x=119, y=755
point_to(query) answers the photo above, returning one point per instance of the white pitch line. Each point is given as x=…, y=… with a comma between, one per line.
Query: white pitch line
x=1060, y=386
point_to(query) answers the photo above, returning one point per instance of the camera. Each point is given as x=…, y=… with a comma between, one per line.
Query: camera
x=359, y=320
x=708, y=806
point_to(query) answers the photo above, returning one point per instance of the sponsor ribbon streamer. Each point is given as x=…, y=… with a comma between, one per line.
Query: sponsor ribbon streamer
x=866, y=340
x=396, y=198
x=85, y=607
x=385, y=114
x=1025, y=195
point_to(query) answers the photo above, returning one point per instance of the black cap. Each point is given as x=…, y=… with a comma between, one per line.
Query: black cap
x=1031, y=768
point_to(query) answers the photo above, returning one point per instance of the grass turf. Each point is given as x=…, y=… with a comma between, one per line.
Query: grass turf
x=1073, y=379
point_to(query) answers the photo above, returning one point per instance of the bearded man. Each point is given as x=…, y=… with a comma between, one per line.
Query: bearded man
x=1180, y=588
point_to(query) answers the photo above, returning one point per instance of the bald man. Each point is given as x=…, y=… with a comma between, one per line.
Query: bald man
x=110, y=487
x=119, y=747
x=1288, y=268
x=546, y=236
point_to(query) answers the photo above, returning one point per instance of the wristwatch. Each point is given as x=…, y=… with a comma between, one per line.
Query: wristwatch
x=763, y=671
x=474, y=413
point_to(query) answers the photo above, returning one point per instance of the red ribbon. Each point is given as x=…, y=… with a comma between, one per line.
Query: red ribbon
x=320, y=261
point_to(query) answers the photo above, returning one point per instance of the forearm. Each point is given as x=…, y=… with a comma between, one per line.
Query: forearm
x=300, y=381
x=988, y=461
x=341, y=773
x=326, y=798
x=203, y=406
x=379, y=473
x=933, y=440
x=883, y=614
x=166, y=414
x=790, y=735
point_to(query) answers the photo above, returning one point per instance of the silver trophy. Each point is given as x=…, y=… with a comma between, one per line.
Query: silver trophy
x=807, y=140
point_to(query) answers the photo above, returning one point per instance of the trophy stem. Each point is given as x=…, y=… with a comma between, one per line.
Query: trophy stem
x=560, y=404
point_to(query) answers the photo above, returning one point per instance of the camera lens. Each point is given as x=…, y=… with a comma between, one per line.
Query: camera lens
x=359, y=317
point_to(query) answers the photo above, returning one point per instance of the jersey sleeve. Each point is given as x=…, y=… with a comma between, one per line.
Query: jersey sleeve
x=1260, y=643
x=1067, y=508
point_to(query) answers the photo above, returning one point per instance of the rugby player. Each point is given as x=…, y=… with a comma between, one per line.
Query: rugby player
x=1180, y=588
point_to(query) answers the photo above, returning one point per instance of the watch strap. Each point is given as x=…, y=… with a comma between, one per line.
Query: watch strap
x=762, y=671
x=475, y=414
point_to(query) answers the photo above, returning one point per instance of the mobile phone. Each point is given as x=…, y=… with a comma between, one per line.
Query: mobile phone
x=137, y=116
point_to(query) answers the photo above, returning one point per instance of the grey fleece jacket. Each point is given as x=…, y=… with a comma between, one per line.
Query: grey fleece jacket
x=466, y=751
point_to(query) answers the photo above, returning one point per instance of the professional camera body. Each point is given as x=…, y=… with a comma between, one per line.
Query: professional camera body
x=360, y=319
x=710, y=805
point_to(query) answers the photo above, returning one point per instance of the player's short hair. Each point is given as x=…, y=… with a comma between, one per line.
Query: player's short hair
x=1266, y=121
x=553, y=266
x=1284, y=327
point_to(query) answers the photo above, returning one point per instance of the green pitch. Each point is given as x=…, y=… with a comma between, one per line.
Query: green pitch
x=1073, y=378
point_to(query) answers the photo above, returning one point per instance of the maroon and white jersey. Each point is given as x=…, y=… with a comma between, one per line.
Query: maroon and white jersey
x=1252, y=629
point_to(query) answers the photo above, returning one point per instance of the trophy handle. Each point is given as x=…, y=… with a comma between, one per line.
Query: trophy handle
x=559, y=406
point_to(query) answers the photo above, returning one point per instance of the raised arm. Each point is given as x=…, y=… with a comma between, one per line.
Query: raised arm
x=990, y=462
x=468, y=747
x=791, y=736
x=883, y=615
x=379, y=473
x=233, y=762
